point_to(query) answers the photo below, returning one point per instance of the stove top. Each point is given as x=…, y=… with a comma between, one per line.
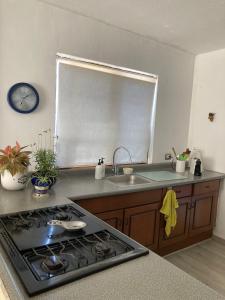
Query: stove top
x=46, y=256
x=30, y=229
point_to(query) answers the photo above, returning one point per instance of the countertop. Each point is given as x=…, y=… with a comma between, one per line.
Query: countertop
x=76, y=186
x=149, y=277
x=80, y=185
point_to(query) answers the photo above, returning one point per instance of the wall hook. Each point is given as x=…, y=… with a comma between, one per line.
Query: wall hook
x=211, y=117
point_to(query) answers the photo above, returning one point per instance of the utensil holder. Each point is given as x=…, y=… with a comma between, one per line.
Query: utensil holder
x=180, y=166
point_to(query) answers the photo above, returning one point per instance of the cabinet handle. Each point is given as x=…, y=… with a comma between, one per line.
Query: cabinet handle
x=178, y=192
x=207, y=186
x=191, y=204
x=126, y=221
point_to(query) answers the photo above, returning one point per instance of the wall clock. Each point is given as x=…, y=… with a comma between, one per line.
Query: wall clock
x=23, y=97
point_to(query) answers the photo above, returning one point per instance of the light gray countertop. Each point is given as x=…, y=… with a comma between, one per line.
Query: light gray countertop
x=80, y=185
x=149, y=277
x=76, y=187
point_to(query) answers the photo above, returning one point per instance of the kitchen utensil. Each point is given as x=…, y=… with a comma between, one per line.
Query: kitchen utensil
x=174, y=152
x=68, y=225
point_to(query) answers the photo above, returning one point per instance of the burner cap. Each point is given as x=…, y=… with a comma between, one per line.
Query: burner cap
x=54, y=263
x=102, y=248
x=62, y=216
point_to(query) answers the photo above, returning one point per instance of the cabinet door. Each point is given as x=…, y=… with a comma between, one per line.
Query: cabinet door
x=113, y=218
x=203, y=213
x=141, y=223
x=180, y=232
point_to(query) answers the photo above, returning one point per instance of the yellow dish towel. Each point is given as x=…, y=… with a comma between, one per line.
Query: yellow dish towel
x=169, y=210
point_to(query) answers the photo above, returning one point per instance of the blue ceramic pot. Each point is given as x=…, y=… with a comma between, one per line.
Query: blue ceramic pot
x=50, y=183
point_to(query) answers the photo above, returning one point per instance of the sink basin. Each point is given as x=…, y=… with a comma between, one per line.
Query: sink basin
x=127, y=180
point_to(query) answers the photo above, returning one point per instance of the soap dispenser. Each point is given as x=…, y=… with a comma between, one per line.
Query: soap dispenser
x=98, y=170
x=103, y=167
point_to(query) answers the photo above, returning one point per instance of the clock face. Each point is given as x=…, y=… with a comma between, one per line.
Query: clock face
x=23, y=97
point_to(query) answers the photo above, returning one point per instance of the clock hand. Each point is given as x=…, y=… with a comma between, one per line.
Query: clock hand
x=26, y=96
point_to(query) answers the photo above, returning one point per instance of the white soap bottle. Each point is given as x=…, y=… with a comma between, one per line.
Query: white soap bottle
x=98, y=170
x=103, y=167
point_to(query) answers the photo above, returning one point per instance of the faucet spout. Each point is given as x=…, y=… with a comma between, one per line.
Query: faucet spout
x=115, y=168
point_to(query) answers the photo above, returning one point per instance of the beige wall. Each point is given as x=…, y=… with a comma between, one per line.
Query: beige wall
x=209, y=96
x=31, y=33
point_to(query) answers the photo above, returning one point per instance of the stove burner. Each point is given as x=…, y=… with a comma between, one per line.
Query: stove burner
x=21, y=224
x=54, y=263
x=62, y=216
x=76, y=255
x=102, y=249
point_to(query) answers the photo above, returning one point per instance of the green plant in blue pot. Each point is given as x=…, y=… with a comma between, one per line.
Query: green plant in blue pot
x=45, y=171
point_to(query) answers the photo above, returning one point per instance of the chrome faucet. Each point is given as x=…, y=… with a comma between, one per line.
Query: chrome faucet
x=115, y=168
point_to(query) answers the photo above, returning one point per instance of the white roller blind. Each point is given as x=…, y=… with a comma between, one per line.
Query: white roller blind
x=97, y=112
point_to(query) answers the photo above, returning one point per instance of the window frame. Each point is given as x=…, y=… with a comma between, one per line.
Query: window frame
x=110, y=69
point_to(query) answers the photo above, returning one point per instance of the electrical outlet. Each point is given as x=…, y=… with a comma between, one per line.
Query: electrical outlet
x=168, y=156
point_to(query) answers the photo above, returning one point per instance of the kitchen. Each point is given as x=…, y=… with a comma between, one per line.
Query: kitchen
x=33, y=32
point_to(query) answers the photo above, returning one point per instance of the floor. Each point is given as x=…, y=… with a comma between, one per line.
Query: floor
x=204, y=261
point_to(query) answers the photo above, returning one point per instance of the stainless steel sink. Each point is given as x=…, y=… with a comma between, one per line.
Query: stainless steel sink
x=128, y=180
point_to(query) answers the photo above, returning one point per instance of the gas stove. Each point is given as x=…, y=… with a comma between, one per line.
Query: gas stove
x=46, y=256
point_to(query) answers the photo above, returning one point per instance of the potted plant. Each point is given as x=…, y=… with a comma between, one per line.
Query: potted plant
x=45, y=171
x=13, y=167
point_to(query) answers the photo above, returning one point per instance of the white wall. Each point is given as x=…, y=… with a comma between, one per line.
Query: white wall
x=209, y=96
x=31, y=33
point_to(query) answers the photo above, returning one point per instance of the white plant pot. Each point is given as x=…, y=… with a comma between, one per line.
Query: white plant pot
x=13, y=183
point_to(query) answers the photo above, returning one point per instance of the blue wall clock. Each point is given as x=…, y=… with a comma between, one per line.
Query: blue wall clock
x=23, y=97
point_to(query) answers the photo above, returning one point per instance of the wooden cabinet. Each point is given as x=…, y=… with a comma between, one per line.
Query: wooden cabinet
x=135, y=214
x=141, y=223
x=183, y=190
x=203, y=211
x=113, y=218
x=195, y=217
x=180, y=232
x=138, y=215
x=206, y=187
x=115, y=202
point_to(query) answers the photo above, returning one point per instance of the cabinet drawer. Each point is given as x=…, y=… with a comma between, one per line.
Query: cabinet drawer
x=181, y=191
x=206, y=187
x=98, y=205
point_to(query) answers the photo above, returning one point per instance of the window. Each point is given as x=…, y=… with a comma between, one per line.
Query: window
x=100, y=107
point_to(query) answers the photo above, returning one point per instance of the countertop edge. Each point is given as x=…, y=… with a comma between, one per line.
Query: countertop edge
x=145, y=187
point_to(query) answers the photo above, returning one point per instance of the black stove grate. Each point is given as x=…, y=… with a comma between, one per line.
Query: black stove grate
x=39, y=218
x=53, y=260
